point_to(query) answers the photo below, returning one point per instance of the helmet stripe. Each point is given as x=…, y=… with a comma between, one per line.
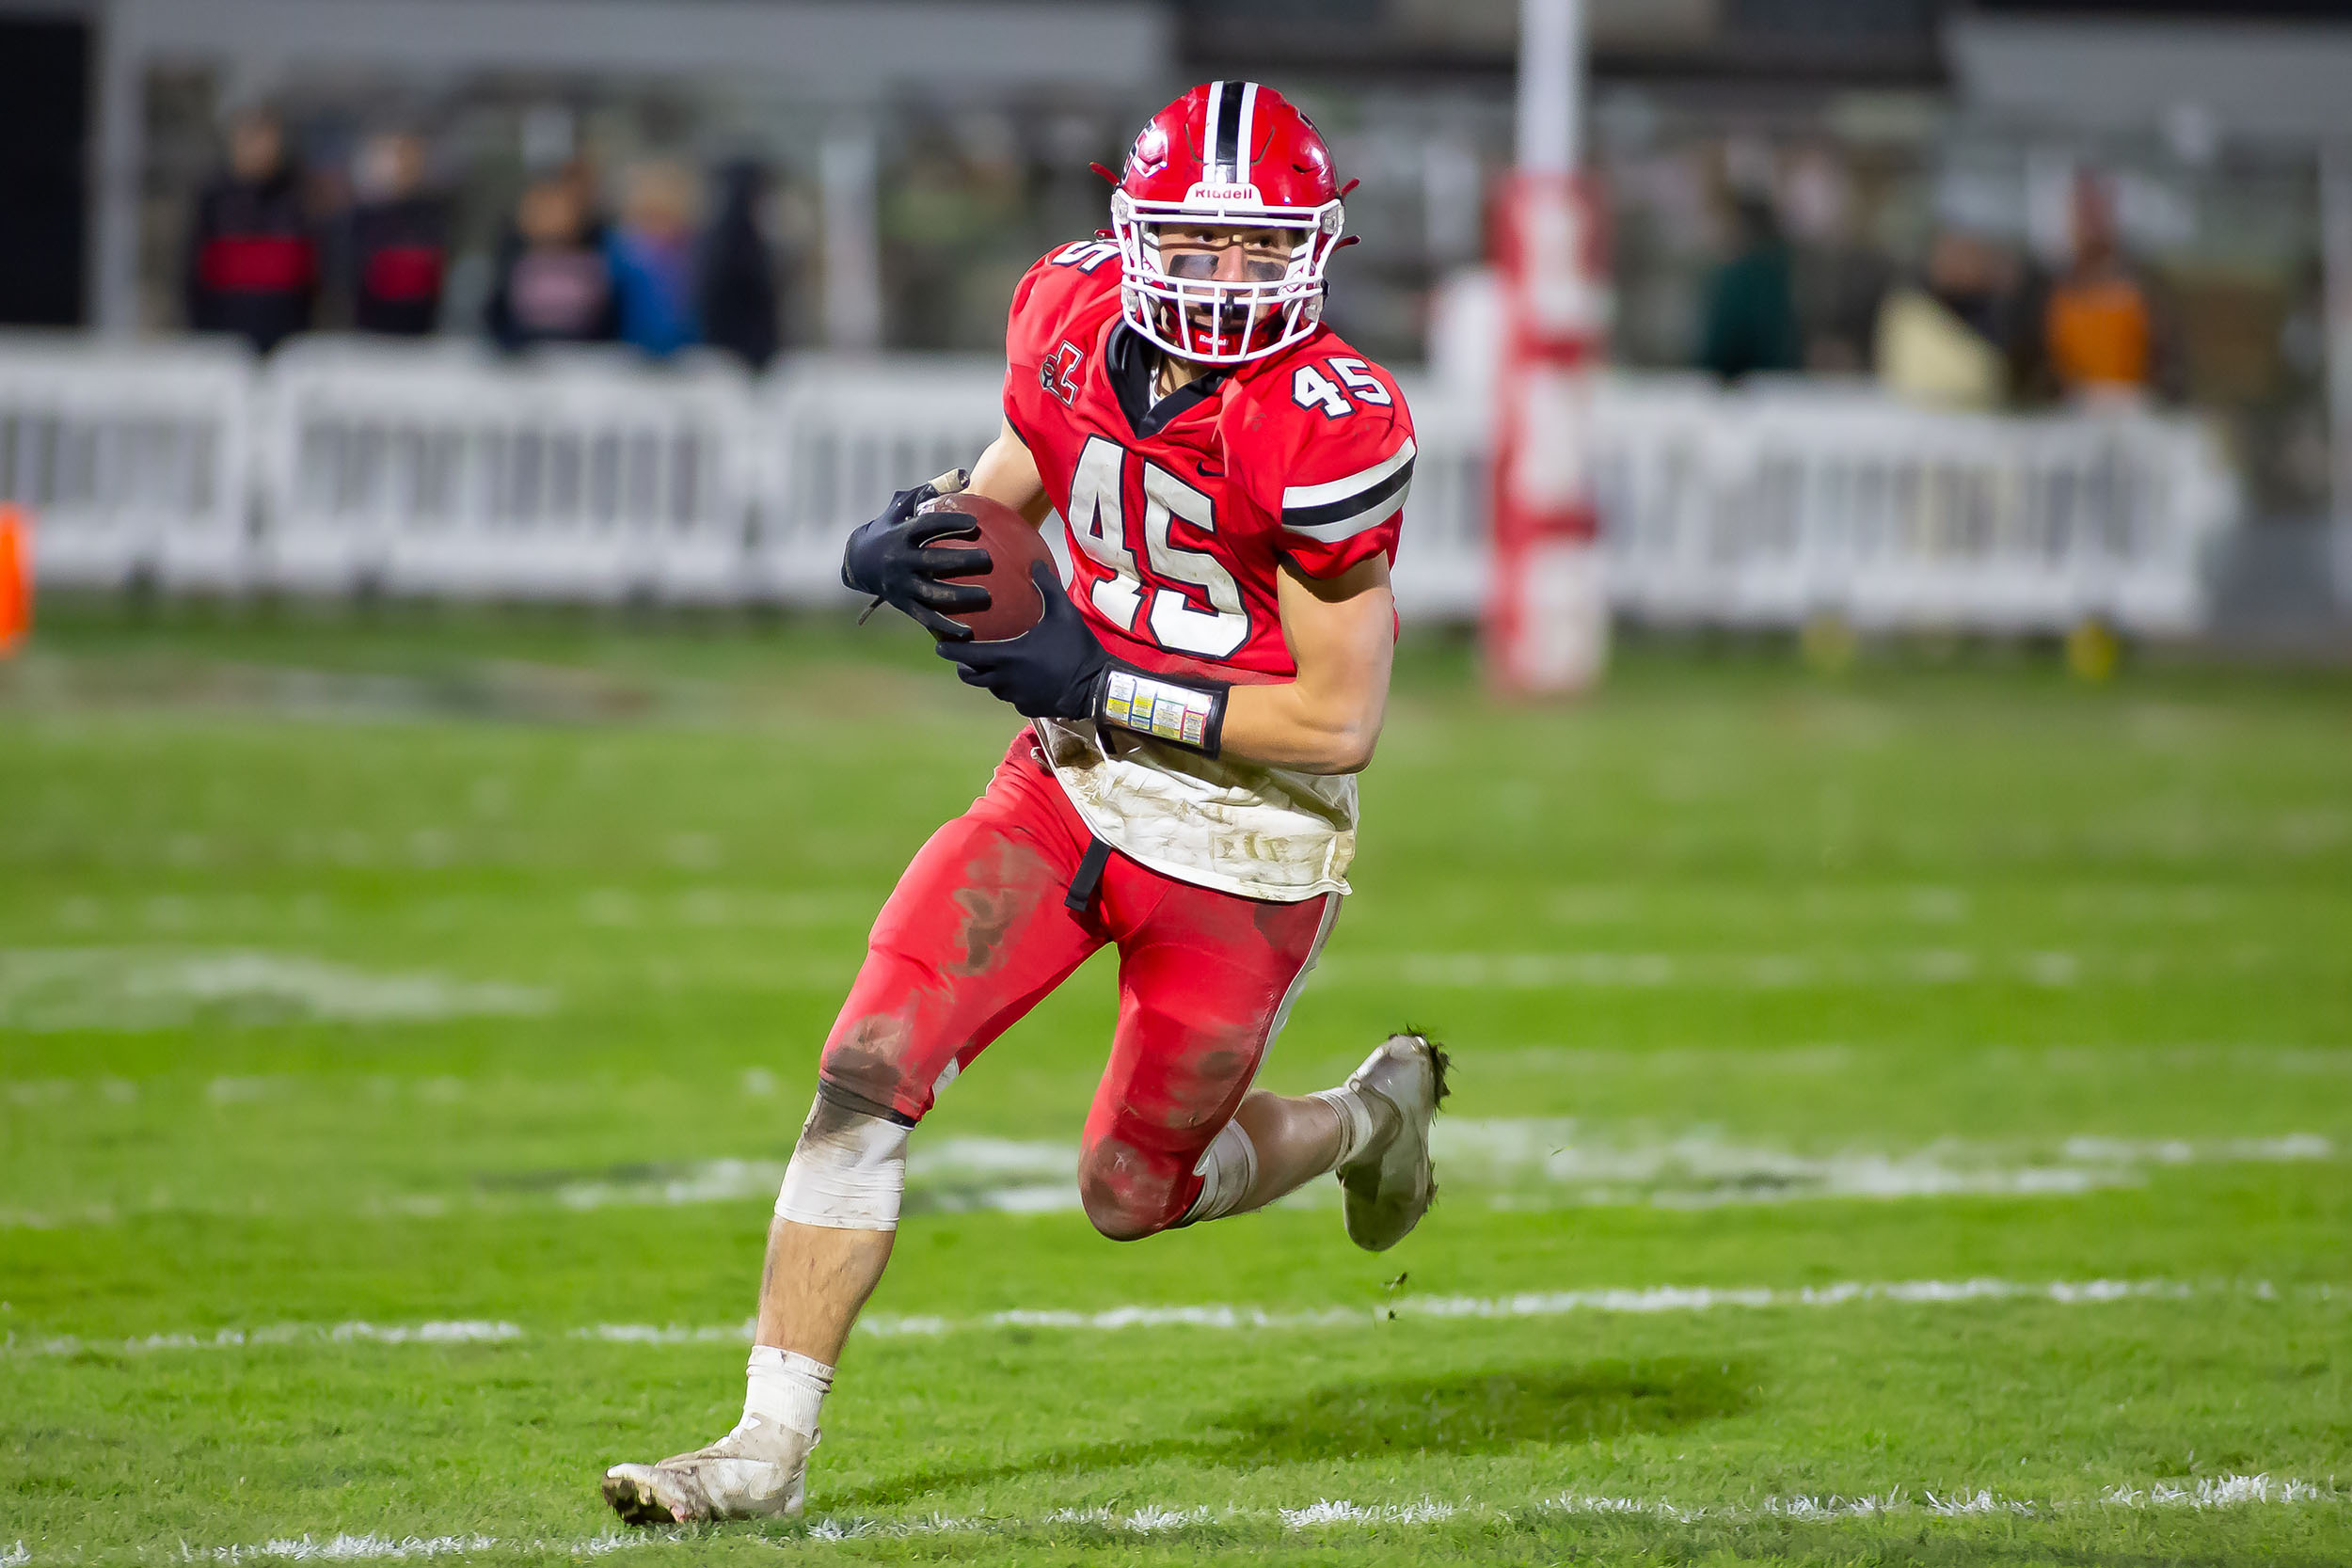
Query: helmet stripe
x=1246, y=138
x=1225, y=158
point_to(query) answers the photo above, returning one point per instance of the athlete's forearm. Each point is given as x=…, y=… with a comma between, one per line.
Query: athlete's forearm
x=1292, y=724
x=1341, y=632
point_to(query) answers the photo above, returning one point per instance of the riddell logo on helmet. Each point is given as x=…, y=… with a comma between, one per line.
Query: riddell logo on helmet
x=1206, y=192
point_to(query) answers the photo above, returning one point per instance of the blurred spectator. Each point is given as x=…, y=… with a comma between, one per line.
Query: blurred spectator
x=399, y=239
x=736, y=293
x=554, y=279
x=956, y=207
x=2099, y=328
x=1954, y=337
x=253, y=260
x=653, y=258
x=1750, y=324
x=1837, y=281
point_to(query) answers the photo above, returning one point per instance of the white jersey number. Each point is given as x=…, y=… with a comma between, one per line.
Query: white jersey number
x=1311, y=388
x=1086, y=255
x=1098, y=522
x=1360, y=381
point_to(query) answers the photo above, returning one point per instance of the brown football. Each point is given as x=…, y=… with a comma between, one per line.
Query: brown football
x=1013, y=547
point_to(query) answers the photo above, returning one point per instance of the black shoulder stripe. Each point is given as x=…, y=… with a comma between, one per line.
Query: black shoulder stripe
x=1305, y=519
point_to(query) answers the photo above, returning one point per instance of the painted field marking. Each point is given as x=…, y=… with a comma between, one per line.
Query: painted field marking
x=1226, y=1317
x=1551, y=1161
x=1518, y=1164
x=132, y=989
x=2210, y=1494
x=1561, y=1162
x=1611, y=970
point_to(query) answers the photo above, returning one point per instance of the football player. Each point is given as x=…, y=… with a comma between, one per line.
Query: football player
x=1233, y=476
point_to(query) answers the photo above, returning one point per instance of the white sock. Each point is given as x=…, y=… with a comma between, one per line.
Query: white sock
x=785, y=1387
x=1359, y=1121
x=1228, y=1169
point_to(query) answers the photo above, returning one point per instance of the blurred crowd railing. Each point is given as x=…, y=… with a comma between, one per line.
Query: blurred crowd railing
x=1788, y=501
x=339, y=468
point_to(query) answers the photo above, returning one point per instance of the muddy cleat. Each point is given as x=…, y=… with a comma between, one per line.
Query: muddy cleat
x=1388, y=1186
x=757, y=1471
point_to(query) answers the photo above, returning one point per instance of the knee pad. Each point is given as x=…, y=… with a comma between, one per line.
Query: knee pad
x=849, y=1171
x=1131, y=1192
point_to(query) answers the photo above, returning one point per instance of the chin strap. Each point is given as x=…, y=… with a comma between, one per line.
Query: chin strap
x=1188, y=713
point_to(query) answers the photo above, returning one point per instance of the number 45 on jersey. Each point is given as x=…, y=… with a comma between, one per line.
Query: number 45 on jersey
x=1098, y=522
x=1313, y=386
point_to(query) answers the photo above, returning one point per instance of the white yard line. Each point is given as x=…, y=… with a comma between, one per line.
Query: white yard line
x=458, y=1333
x=352, y=1548
x=1515, y=1163
x=1539, y=1162
x=1552, y=1303
x=137, y=989
x=1324, y=1515
x=1536, y=1161
x=1609, y=970
x=376, y=1548
x=1229, y=1316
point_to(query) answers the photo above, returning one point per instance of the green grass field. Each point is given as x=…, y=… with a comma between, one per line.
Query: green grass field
x=1900, y=1118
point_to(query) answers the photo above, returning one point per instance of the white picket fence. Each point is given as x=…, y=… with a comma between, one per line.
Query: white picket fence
x=1765, y=508
x=437, y=469
x=441, y=471
x=132, y=460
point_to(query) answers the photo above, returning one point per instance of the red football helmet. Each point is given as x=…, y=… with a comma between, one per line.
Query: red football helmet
x=1235, y=155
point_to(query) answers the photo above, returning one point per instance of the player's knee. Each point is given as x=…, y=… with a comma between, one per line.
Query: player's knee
x=1130, y=1194
x=867, y=1065
x=849, y=1170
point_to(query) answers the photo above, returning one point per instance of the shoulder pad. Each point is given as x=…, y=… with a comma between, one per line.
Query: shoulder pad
x=1346, y=453
x=1064, y=279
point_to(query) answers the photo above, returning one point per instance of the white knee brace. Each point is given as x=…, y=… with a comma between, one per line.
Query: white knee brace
x=849, y=1171
x=1228, y=1169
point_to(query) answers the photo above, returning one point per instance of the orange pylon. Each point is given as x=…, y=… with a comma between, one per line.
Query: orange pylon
x=16, y=578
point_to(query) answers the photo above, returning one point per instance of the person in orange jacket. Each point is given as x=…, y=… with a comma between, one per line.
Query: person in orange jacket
x=2101, y=331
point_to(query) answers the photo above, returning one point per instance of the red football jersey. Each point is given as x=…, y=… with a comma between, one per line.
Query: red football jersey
x=1180, y=511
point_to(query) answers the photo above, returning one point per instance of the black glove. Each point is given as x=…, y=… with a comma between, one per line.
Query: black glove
x=892, y=559
x=1052, y=671
x=1058, y=669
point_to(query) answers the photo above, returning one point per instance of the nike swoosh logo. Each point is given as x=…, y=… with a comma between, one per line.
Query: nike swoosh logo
x=1207, y=472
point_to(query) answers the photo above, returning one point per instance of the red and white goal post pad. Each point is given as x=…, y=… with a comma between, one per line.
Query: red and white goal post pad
x=1546, y=622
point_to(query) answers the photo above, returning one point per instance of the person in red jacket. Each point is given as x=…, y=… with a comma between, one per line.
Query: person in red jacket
x=399, y=239
x=253, y=255
x=1199, y=702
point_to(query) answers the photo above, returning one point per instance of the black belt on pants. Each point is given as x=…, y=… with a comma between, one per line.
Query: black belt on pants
x=1089, y=877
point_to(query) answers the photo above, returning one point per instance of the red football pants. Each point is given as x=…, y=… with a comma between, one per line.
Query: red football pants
x=980, y=930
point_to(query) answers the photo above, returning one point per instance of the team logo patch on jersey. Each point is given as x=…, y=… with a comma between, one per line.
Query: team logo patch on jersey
x=1057, y=373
